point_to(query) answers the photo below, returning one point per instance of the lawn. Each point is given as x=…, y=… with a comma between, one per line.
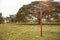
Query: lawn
x=29, y=32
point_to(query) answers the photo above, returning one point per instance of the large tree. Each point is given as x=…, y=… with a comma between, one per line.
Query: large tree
x=32, y=11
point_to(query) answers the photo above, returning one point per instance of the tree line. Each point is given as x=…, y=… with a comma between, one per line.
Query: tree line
x=31, y=13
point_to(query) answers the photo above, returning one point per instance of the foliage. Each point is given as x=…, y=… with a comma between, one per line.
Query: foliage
x=1, y=18
x=53, y=10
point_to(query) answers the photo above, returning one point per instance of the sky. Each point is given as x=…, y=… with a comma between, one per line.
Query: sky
x=11, y=7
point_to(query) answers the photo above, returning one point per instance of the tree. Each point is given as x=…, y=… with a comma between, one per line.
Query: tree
x=1, y=18
x=33, y=10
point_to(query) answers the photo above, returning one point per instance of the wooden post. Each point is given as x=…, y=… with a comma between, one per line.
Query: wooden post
x=41, y=19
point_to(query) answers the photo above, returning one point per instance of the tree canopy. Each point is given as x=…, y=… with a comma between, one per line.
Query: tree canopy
x=32, y=11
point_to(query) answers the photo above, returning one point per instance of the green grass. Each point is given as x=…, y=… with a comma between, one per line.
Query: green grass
x=29, y=32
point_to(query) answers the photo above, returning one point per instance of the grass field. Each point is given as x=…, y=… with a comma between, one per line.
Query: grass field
x=29, y=32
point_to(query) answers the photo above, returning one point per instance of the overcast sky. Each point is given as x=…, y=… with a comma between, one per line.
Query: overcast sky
x=10, y=7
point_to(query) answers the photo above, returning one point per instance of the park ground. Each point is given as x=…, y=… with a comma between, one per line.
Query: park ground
x=29, y=32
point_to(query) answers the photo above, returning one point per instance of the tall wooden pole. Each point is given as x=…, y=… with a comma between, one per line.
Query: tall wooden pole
x=41, y=19
x=41, y=12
